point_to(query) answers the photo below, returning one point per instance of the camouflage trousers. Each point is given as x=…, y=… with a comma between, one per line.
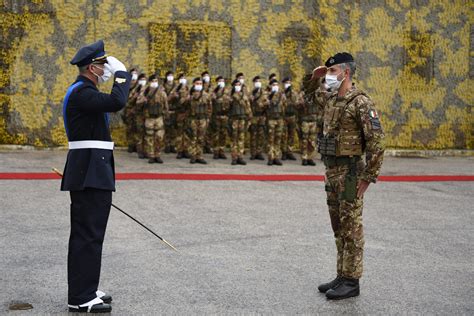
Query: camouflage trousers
x=140, y=134
x=257, y=135
x=308, y=139
x=345, y=211
x=219, y=129
x=288, y=139
x=170, y=130
x=238, y=138
x=275, y=132
x=182, y=140
x=197, y=137
x=155, y=136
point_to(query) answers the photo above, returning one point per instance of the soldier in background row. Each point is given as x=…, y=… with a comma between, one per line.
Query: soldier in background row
x=259, y=102
x=275, y=113
x=199, y=107
x=220, y=118
x=139, y=118
x=170, y=122
x=128, y=115
x=178, y=98
x=240, y=113
x=290, y=123
x=155, y=110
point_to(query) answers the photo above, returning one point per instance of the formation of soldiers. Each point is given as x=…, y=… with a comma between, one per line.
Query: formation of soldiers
x=173, y=115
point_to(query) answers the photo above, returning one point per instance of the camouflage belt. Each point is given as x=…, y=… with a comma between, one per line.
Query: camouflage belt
x=333, y=161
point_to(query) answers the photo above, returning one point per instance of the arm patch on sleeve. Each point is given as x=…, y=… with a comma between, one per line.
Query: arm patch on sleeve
x=374, y=119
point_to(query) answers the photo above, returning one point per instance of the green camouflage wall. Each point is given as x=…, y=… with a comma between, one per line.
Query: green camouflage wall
x=414, y=57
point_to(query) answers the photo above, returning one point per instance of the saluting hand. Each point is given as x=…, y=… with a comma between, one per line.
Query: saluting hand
x=319, y=72
x=113, y=64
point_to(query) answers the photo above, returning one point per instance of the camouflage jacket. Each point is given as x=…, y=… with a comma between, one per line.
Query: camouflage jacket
x=293, y=101
x=177, y=99
x=156, y=103
x=240, y=106
x=259, y=101
x=199, y=105
x=220, y=102
x=351, y=117
x=277, y=105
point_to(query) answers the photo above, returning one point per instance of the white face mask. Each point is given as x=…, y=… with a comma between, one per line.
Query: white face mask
x=221, y=84
x=198, y=87
x=154, y=85
x=206, y=79
x=106, y=76
x=170, y=78
x=134, y=76
x=142, y=82
x=241, y=81
x=183, y=81
x=258, y=84
x=287, y=85
x=332, y=82
x=275, y=88
x=237, y=88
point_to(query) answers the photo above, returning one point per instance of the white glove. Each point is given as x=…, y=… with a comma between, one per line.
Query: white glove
x=113, y=64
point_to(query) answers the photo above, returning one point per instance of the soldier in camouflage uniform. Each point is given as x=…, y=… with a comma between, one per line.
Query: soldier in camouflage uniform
x=241, y=78
x=351, y=128
x=275, y=113
x=128, y=115
x=155, y=109
x=220, y=118
x=310, y=114
x=240, y=113
x=290, y=123
x=139, y=115
x=199, y=111
x=170, y=122
x=206, y=84
x=177, y=100
x=259, y=102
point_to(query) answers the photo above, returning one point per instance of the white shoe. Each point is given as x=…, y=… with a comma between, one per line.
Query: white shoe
x=96, y=305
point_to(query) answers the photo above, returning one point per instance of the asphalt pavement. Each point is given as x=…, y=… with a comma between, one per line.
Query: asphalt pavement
x=245, y=247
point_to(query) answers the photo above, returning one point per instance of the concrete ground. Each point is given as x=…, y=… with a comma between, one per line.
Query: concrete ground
x=246, y=247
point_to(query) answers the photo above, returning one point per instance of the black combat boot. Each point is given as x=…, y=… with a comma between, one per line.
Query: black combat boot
x=141, y=156
x=173, y=149
x=222, y=156
x=130, y=148
x=167, y=149
x=158, y=160
x=240, y=161
x=216, y=156
x=270, y=162
x=348, y=287
x=311, y=162
x=283, y=156
x=151, y=160
x=207, y=150
x=201, y=161
x=277, y=162
x=179, y=155
x=186, y=155
x=234, y=162
x=323, y=288
x=304, y=162
x=259, y=157
x=290, y=156
x=193, y=161
x=252, y=157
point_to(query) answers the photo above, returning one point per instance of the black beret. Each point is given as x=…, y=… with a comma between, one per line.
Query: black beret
x=273, y=81
x=272, y=75
x=141, y=76
x=133, y=70
x=181, y=75
x=239, y=74
x=235, y=81
x=152, y=77
x=88, y=54
x=219, y=78
x=168, y=73
x=197, y=79
x=204, y=73
x=256, y=78
x=339, y=58
x=286, y=79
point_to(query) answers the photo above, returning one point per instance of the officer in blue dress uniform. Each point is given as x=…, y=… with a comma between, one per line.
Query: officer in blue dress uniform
x=89, y=172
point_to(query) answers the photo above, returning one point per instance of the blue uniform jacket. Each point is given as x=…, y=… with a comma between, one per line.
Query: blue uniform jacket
x=85, y=111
